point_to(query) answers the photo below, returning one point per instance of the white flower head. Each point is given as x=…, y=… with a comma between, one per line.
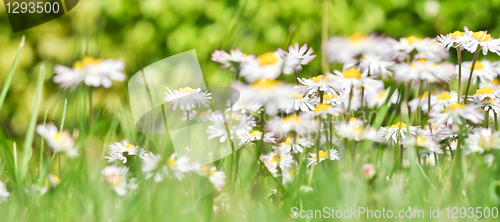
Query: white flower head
x=297, y=101
x=187, y=98
x=117, y=151
x=94, y=72
x=254, y=136
x=116, y=178
x=266, y=92
x=152, y=167
x=232, y=60
x=397, y=131
x=423, y=70
x=61, y=142
x=331, y=154
x=483, y=139
x=217, y=177
x=4, y=194
x=302, y=124
x=319, y=83
x=296, y=57
x=480, y=40
x=266, y=66
x=484, y=70
x=458, y=114
x=356, y=130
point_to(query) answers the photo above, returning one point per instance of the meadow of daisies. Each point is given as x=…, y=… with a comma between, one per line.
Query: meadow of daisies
x=398, y=126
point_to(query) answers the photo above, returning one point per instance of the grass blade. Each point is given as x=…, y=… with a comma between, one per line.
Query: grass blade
x=6, y=85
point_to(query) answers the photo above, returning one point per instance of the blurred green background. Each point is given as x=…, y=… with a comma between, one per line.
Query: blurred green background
x=143, y=32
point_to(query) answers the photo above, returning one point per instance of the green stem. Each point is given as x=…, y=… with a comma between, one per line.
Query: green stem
x=476, y=54
x=6, y=85
x=496, y=120
x=459, y=55
x=486, y=118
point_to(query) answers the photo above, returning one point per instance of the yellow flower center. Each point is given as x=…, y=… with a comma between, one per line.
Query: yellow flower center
x=352, y=73
x=171, y=162
x=130, y=146
x=481, y=36
x=495, y=82
x=288, y=141
x=291, y=118
x=485, y=90
x=322, y=154
x=267, y=59
x=328, y=97
x=382, y=94
x=255, y=133
x=399, y=124
x=87, y=61
x=58, y=136
x=275, y=159
x=318, y=78
x=419, y=62
x=358, y=129
x=353, y=119
x=455, y=34
x=264, y=84
x=114, y=180
x=444, y=96
x=412, y=39
x=297, y=95
x=478, y=66
x=356, y=37
x=454, y=106
x=321, y=107
x=425, y=94
x=187, y=90
x=420, y=140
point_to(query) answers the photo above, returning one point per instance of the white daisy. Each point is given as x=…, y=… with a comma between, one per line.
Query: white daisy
x=486, y=98
x=296, y=57
x=276, y=159
x=455, y=40
x=484, y=70
x=327, y=110
x=349, y=78
x=118, y=151
x=457, y=113
x=238, y=125
x=426, y=48
x=379, y=96
x=480, y=40
x=397, y=131
x=422, y=70
x=61, y=142
x=290, y=145
x=231, y=61
x=187, y=98
x=318, y=83
x=371, y=65
x=302, y=124
x=268, y=93
x=297, y=101
x=218, y=178
x=150, y=164
x=266, y=66
x=179, y=165
x=355, y=130
x=94, y=72
x=483, y=139
x=4, y=194
x=369, y=170
x=339, y=49
x=333, y=154
x=254, y=136
x=116, y=178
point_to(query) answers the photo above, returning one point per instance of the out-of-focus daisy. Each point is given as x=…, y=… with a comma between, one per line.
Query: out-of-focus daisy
x=368, y=170
x=150, y=165
x=94, y=72
x=294, y=145
x=356, y=130
x=265, y=66
x=302, y=124
x=438, y=102
x=238, y=125
x=250, y=138
x=218, y=178
x=494, y=84
x=118, y=151
x=50, y=183
x=61, y=142
x=425, y=48
x=457, y=113
x=277, y=159
x=349, y=78
x=232, y=60
x=398, y=130
x=269, y=93
x=325, y=110
x=333, y=154
x=318, y=83
x=455, y=39
x=483, y=139
x=422, y=70
x=4, y=194
x=334, y=99
x=421, y=102
x=296, y=102
x=371, y=65
x=116, y=178
x=187, y=98
x=484, y=70
x=340, y=49
x=423, y=139
x=179, y=165
x=487, y=99
x=296, y=57
x=378, y=97
x=480, y=40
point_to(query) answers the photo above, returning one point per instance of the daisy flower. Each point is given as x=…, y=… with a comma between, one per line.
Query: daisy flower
x=290, y=145
x=340, y=49
x=116, y=178
x=266, y=66
x=379, y=96
x=50, y=183
x=118, y=151
x=454, y=39
x=218, y=178
x=457, y=113
x=296, y=57
x=334, y=99
x=318, y=83
x=61, y=142
x=94, y=72
x=269, y=93
x=179, y=165
x=332, y=154
x=423, y=139
x=484, y=70
x=483, y=139
x=371, y=65
x=495, y=85
x=487, y=99
x=296, y=102
x=325, y=110
x=250, y=138
x=426, y=48
x=274, y=160
x=368, y=170
x=230, y=60
x=238, y=125
x=422, y=70
x=355, y=130
x=480, y=40
x=302, y=124
x=397, y=131
x=438, y=102
x=187, y=98
x=150, y=164
x=349, y=78
x=4, y=194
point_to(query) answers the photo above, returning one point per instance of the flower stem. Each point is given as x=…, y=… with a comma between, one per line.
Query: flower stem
x=459, y=55
x=486, y=118
x=496, y=120
x=296, y=77
x=349, y=104
x=476, y=54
